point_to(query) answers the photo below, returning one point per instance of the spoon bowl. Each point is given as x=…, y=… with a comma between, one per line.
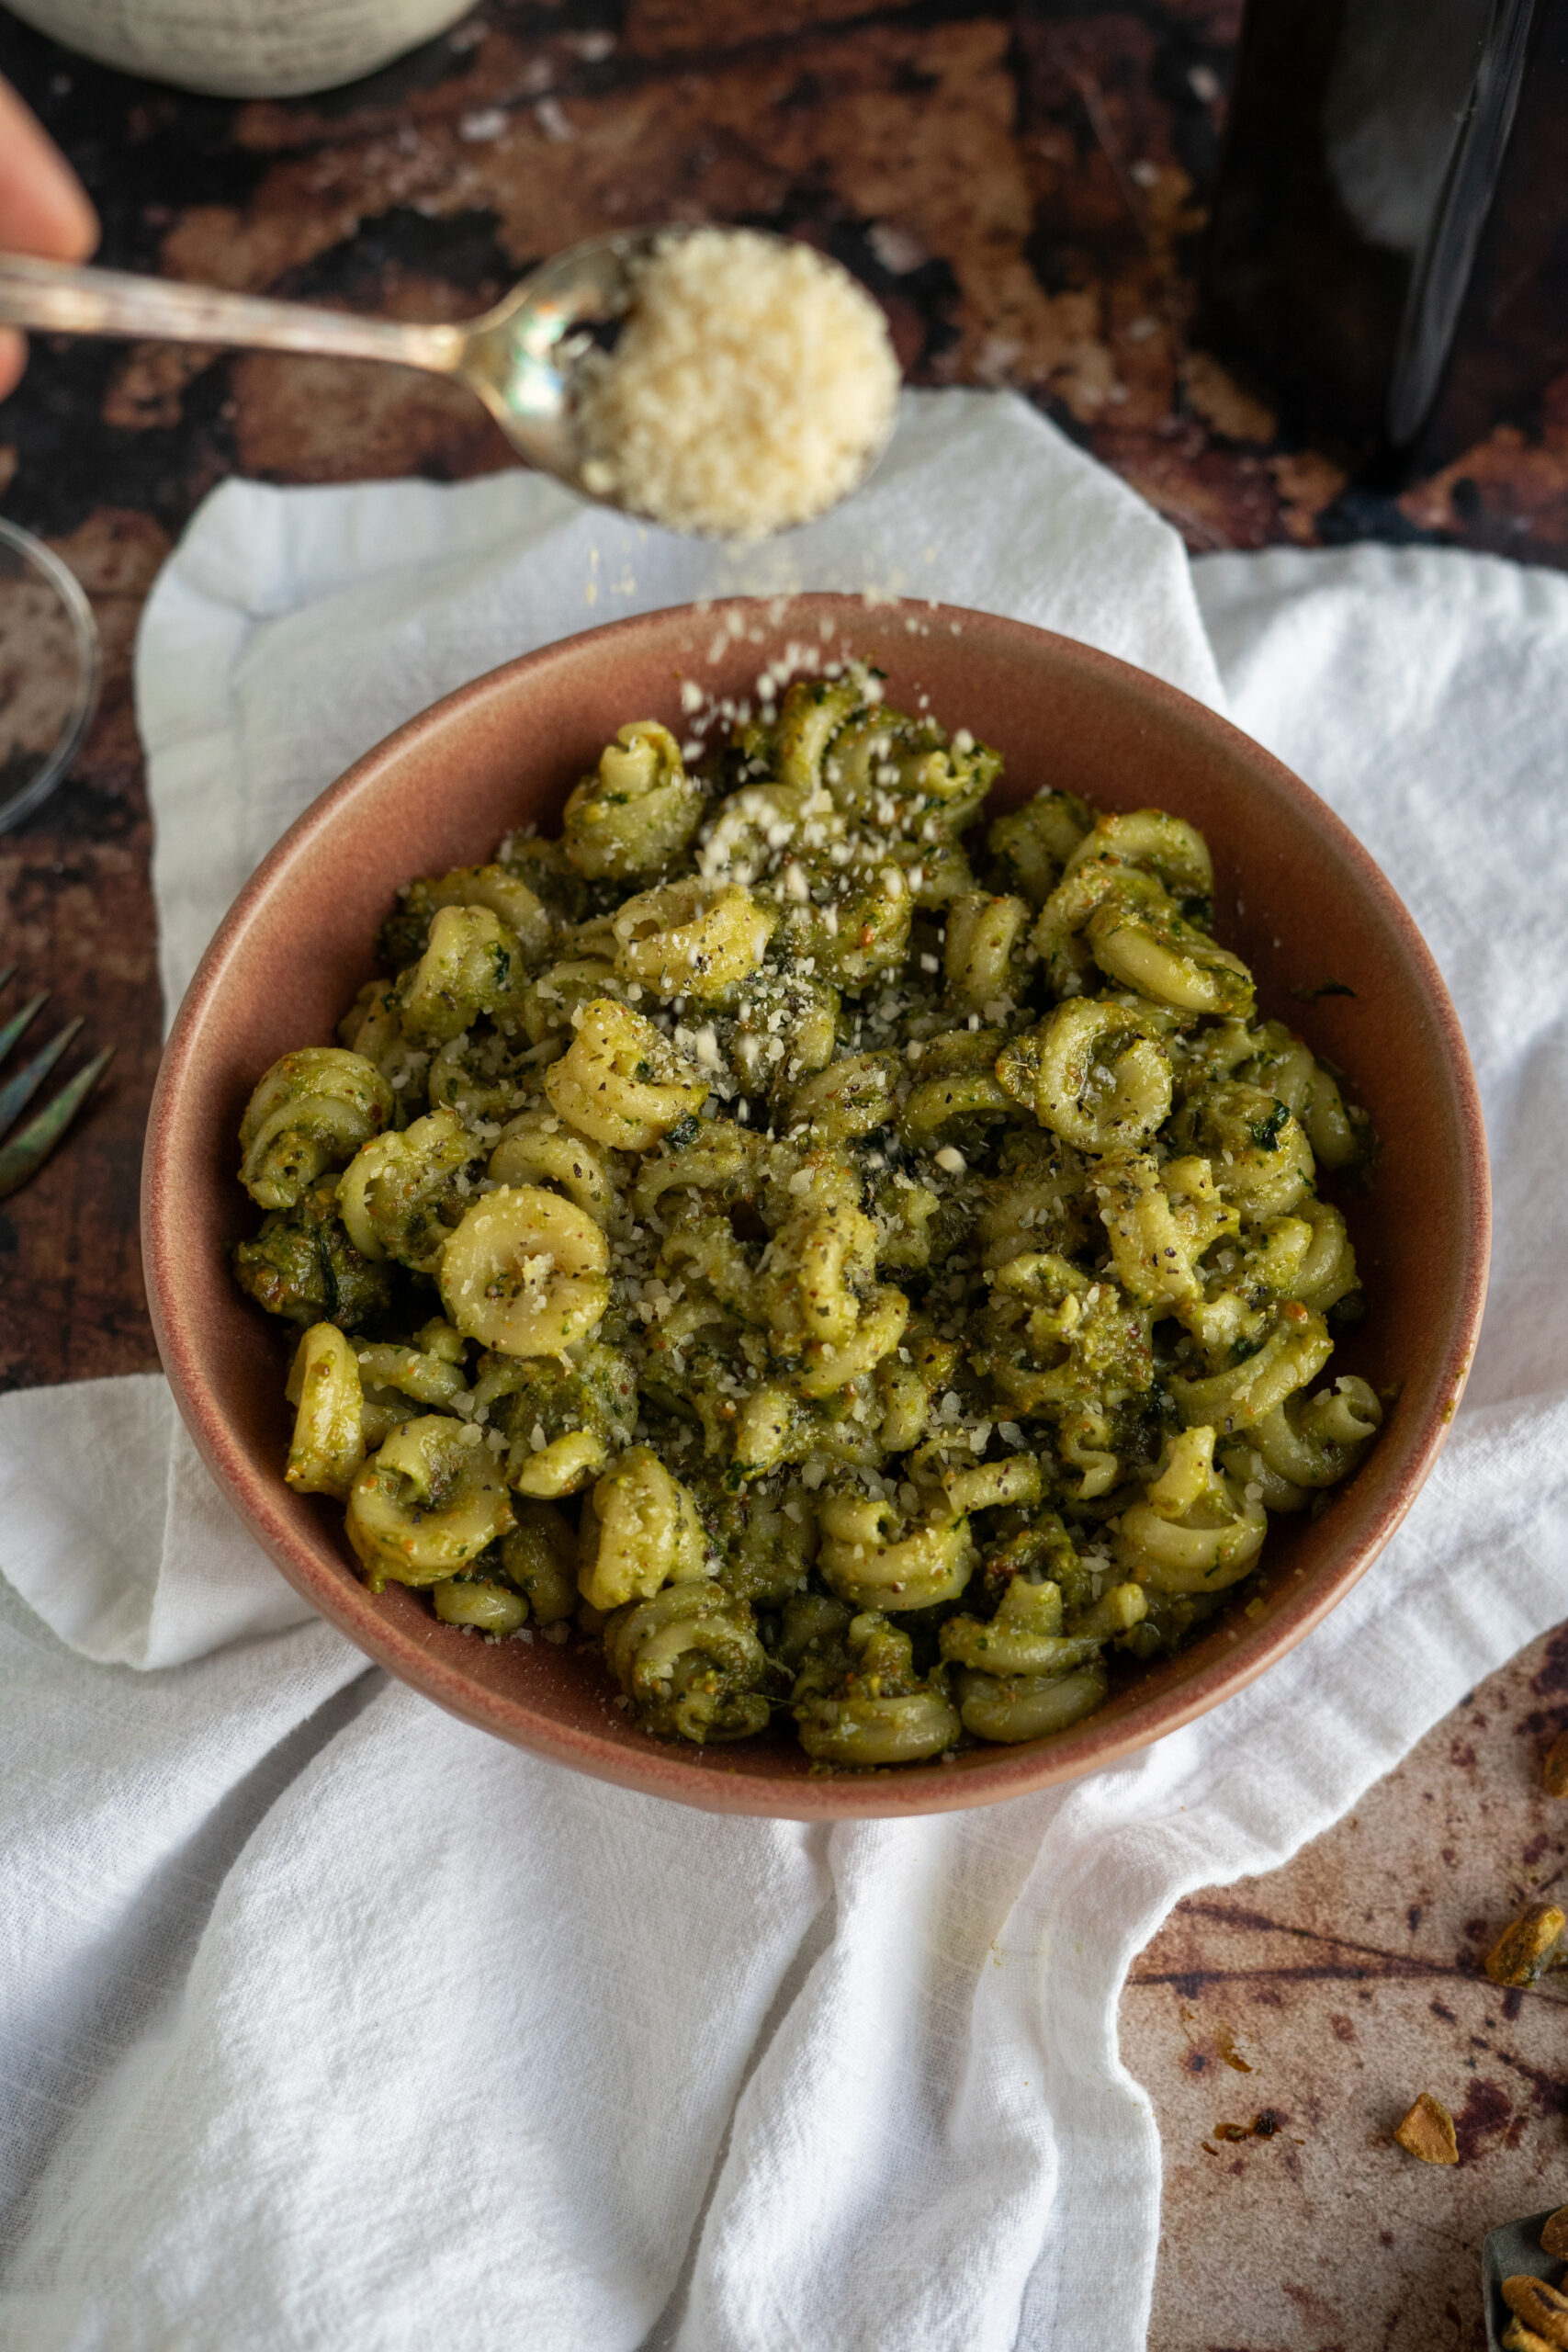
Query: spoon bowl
x=522, y=357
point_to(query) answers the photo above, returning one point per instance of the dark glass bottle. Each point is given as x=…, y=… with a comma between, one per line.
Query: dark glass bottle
x=1388, y=248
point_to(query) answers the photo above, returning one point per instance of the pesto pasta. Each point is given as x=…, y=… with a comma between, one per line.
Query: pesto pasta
x=861, y=1268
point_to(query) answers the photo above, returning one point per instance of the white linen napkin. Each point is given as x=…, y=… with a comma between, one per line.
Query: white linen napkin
x=326, y=2020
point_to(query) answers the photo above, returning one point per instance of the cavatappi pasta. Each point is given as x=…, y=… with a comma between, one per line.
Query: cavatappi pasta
x=863, y=1287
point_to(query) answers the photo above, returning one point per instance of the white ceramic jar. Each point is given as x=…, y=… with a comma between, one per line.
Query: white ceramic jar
x=242, y=49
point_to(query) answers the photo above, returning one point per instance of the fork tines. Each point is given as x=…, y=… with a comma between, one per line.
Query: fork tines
x=26, y=1152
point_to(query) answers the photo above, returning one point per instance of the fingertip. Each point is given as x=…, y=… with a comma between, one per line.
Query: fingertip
x=13, y=359
x=79, y=228
x=43, y=207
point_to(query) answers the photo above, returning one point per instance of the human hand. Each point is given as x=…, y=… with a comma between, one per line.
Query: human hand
x=43, y=209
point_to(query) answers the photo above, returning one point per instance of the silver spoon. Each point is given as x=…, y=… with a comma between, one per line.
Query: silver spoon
x=520, y=358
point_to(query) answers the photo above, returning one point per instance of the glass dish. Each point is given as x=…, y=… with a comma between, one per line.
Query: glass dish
x=49, y=670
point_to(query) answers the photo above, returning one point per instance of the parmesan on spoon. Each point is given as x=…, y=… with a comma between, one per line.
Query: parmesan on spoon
x=753, y=387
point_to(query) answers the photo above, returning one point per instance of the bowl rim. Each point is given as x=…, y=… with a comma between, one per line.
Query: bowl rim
x=256, y=1494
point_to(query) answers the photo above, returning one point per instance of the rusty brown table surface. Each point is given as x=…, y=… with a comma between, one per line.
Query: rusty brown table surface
x=1025, y=192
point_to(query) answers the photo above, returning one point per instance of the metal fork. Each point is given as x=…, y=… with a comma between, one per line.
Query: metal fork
x=26, y=1153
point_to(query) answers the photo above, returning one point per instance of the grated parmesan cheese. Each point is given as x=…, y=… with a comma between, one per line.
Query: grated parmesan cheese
x=753, y=383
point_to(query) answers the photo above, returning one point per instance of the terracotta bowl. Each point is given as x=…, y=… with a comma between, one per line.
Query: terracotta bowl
x=1298, y=897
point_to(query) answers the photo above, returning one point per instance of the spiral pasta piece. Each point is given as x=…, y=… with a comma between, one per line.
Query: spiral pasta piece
x=872, y=1557
x=809, y=717
x=875, y=1710
x=481, y=1603
x=1167, y=848
x=1258, y=1151
x=554, y=998
x=908, y=1379
x=1097, y=1074
x=1327, y=1271
x=959, y=1085
x=407, y=935
x=539, y=1556
x=1329, y=1128
x=1195, y=1531
x=428, y=1503
x=895, y=769
x=720, y=1160
x=700, y=1249
x=1315, y=1442
x=1056, y=939
x=785, y=1029
x=525, y=1273
x=1286, y=1067
x=312, y=1111
x=303, y=1265
x=1057, y=1342
x=748, y=834
x=327, y=1450
x=847, y=923
x=851, y=1097
x=767, y=1535
x=562, y=1415
x=483, y=1074
x=373, y=1029
x=1152, y=1244
x=474, y=964
x=430, y=1375
x=827, y=1316
x=689, y=939
x=829, y=1366
x=400, y=1196
x=539, y=1149
x=994, y=1485
x=1011, y=1708
x=1295, y=1351
x=690, y=1662
x=1275, y=1255
x=817, y=1265
x=984, y=935
x=1145, y=944
x=772, y=1426
x=639, y=810
x=642, y=1529
x=1032, y=845
x=1025, y=1635
x=620, y=1082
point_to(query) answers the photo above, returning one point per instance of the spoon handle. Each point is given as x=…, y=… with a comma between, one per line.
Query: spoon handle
x=59, y=300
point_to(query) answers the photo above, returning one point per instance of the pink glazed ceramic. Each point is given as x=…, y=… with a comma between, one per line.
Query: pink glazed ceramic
x=1297, y=897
